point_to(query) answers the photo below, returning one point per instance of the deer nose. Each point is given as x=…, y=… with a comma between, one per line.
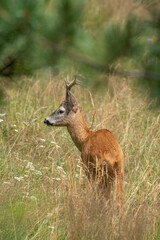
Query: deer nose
x=47, y=122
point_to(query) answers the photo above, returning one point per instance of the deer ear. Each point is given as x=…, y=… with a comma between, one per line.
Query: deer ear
x=75, y=108
x=72, y=103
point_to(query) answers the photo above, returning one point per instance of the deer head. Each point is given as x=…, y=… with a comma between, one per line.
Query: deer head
x=67, y=109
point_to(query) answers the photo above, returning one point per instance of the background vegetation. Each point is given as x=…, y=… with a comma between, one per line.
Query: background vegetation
x=114, y=47
x=90, y=37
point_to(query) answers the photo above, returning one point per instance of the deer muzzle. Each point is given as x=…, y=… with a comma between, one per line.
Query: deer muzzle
x=46, y=121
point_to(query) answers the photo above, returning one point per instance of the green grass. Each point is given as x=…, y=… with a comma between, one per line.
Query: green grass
x=44, y=193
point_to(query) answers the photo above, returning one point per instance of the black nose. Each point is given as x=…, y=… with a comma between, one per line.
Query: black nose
x=47, y=122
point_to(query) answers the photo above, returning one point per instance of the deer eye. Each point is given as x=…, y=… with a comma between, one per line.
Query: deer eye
x=61, y=111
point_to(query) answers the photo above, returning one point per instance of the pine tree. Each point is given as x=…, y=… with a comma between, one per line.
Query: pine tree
x=40, y=33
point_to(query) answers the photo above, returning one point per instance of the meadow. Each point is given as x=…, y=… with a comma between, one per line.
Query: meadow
x=44, y=193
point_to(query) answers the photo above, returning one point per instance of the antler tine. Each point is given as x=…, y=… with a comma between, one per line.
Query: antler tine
x=71, y=84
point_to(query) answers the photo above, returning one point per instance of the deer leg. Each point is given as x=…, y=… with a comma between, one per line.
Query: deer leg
x=104, y=183
x=119, y=184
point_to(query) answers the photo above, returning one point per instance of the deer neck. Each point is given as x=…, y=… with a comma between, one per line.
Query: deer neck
x=78, y=130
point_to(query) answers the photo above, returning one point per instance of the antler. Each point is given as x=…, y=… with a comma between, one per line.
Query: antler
x=71, y=84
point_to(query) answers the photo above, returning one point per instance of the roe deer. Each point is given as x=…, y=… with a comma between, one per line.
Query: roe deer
x=101, y=153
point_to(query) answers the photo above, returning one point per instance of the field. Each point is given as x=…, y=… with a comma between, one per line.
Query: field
x=44, y=193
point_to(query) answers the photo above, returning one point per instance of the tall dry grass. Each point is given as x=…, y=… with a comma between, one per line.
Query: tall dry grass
x=44, y=192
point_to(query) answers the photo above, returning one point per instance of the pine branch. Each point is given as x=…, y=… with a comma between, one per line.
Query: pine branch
x=7, y=65
x=135, y=73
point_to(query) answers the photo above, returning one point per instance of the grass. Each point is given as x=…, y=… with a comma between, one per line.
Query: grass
x=44, y=193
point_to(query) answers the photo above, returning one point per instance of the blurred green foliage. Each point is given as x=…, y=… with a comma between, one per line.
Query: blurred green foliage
x=65, y=34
